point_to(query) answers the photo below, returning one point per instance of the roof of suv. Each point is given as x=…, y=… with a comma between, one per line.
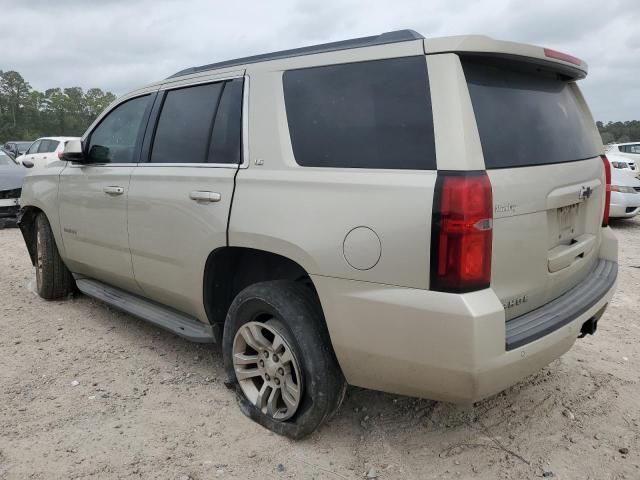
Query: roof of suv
x=382, y=39
x=571, y=67
x=470, y=44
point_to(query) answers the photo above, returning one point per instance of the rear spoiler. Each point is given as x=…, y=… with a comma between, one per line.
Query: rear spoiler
x=564, y=63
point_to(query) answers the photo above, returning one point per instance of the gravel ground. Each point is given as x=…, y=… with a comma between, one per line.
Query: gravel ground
x=87, y=391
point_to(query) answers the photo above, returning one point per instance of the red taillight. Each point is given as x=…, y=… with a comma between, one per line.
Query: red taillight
x=60, y=154
x=607, y=194
x=565, y=57
x=461, y=232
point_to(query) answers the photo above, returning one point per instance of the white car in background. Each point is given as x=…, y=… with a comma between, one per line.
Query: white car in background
x=625, y=195
x=626, y=152
x=45, y=150
x=623, y=164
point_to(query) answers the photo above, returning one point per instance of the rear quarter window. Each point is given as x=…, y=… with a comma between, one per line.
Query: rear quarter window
x=374, y=114
x=527, y=118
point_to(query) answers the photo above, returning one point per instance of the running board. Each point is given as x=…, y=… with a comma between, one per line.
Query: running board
x=164, y=317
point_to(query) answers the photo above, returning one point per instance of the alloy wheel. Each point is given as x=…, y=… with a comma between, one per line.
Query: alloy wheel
x=267, y=370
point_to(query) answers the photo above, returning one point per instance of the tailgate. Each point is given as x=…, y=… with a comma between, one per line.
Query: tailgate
x=542, y=153
x=546, y=231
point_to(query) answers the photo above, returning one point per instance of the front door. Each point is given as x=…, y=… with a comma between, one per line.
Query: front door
x=179, y=200
x=93, y=196
x=31, y=153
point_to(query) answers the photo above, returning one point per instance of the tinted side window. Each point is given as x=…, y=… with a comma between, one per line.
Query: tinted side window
x=185, y=124
x=47, y=146
x=373, y=114
x=226, y=139
x=44, y=146
x=117, y=138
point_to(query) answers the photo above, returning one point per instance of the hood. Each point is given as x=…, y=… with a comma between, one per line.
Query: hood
x=11, y=176
x=623, y=178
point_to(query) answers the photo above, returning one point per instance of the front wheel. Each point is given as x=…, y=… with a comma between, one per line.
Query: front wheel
x=53, y=279
x=278, y=353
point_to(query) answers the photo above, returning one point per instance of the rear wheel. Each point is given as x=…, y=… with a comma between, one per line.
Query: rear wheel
x=266, y=368
x=278, y=353
x=53, y=279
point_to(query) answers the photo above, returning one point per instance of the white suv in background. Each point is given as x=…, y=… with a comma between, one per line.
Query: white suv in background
x=45, y=150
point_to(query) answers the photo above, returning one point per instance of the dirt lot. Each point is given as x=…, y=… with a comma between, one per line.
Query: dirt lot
x=87, y=391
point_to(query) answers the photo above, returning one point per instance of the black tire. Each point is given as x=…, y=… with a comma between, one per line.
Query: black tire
x=53, y=278
x=297, y=316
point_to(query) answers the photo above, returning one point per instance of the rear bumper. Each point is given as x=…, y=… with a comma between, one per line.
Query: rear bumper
x=437, y=345
x=564, y=309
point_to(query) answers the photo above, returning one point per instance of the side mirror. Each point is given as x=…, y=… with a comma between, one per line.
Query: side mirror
x=73, y=152
x=27, y=163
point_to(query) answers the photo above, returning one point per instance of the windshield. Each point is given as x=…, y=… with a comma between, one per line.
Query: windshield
x=527, y=118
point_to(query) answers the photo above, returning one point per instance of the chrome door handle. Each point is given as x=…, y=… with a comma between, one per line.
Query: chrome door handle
x=113, y=190
x=200, y=196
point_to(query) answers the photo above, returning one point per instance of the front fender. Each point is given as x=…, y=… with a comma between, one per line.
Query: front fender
x=27, y=224
x=40, y=194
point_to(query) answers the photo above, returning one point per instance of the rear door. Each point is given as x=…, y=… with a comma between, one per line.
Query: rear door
x=542, y=154
x=179, y=200
x=46, y=153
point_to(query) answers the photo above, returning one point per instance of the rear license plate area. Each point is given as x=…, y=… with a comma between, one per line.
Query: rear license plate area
x=566, y=218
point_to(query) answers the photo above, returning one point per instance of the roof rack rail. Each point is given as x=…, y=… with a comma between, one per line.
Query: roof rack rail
x=384, y=38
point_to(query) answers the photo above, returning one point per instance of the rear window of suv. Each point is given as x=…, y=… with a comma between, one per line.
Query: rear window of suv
x=374, y=114
x=527, y=118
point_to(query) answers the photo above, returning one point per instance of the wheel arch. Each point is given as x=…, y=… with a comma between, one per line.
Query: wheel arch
x=229, y=270
x=27, y=225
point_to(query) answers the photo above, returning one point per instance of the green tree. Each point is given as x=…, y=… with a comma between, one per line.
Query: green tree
x=15, y=91
x=27, y=114
x=619, y=132
x=96, y=101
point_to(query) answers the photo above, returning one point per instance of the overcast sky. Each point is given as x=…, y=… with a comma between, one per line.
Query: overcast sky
x=118, y=45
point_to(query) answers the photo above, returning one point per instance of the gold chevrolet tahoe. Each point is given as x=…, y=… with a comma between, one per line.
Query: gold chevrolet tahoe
x=426, y=217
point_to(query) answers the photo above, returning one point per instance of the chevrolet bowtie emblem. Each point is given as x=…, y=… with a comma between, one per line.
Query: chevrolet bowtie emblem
x=585, y=192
